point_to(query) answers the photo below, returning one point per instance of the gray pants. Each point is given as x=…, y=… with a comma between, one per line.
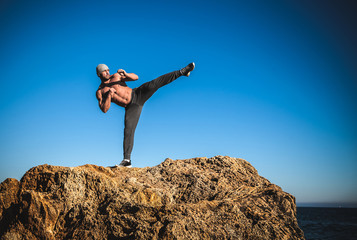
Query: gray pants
x=132, y=112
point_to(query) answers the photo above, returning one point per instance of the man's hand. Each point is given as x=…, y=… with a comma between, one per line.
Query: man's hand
x=122, y=72
x=127, y=76
x=111, y=92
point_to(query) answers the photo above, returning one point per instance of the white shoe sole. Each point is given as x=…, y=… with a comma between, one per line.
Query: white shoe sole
x=123, y=166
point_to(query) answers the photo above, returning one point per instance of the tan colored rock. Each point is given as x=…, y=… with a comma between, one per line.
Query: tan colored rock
x=199, y=198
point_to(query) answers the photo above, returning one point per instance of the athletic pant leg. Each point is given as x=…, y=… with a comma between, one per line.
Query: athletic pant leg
x=133, y=110
x=132, y=115
x=145, y=91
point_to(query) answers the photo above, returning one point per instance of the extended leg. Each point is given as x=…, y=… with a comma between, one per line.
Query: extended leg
x=145, y=91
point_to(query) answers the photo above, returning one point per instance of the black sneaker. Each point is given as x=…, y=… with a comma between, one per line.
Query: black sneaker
x=187, y=70
x=125, y=163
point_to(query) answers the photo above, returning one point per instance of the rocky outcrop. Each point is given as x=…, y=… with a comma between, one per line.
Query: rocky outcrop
x=199, y=198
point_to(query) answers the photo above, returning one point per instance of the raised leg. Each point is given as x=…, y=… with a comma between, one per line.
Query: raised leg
x=146, y=90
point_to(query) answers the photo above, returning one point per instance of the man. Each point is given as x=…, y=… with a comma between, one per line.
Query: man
x=114, y=89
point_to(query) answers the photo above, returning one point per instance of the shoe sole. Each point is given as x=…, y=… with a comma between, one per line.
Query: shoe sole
x=188, y=74
x=123, y=166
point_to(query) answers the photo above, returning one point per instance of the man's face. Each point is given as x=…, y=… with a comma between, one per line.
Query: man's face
x=105, y=74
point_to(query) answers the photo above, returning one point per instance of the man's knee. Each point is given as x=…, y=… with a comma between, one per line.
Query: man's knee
x=129, y=128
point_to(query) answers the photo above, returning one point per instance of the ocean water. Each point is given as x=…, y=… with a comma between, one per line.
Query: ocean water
x=320, y=223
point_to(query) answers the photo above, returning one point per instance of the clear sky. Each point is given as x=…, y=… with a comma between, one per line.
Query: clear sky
x=275, y=83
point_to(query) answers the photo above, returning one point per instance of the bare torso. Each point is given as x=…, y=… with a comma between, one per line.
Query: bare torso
x=122, y=95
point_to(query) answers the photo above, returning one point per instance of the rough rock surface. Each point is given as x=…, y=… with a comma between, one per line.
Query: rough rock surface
x=199, y=198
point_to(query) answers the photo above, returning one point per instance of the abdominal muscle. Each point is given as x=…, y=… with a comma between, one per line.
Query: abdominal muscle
x=122, y=97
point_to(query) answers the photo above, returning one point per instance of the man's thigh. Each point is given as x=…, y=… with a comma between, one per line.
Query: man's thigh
x=132, y=115
x=145, y=91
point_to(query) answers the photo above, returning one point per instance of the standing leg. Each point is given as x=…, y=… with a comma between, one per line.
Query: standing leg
x=132, y=115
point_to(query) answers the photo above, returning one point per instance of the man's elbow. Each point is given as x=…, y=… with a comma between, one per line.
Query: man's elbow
x=132, y=77
x=104, y=109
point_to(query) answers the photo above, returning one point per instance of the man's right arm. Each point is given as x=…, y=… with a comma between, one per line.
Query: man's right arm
x=104, y=104
x=127, y=76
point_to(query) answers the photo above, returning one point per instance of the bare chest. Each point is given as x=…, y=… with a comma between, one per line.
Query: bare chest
x=118, y=86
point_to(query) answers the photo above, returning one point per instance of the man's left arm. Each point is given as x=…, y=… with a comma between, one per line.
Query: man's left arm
x=127, y=76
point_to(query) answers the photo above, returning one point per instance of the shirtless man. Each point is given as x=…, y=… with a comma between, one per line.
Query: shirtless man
x=114, y=89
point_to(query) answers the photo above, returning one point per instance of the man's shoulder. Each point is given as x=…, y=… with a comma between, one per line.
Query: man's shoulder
x=99, y=90
x=116, y=77
x=101, y=86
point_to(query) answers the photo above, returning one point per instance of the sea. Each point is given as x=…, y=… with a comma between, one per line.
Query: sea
x=320, y=223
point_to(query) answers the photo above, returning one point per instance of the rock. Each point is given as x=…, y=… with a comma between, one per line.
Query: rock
x=199, y=198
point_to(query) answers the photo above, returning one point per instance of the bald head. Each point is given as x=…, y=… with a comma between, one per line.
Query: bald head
x=101, y=67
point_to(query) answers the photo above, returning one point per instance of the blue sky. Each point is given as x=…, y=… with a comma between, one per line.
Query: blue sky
x=275, y=83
